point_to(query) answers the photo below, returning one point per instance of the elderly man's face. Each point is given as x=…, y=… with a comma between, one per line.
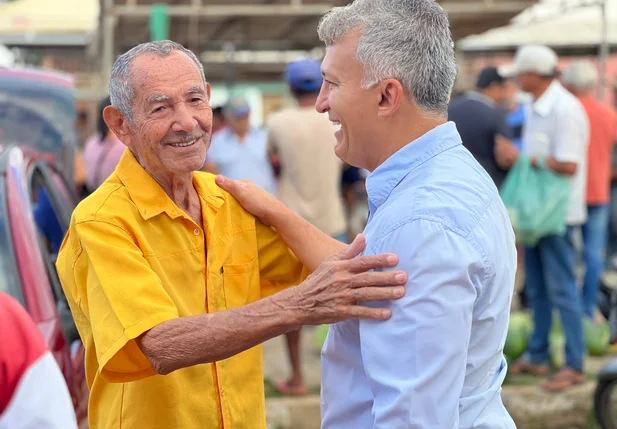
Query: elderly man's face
x=347, y=104
x=172, y=114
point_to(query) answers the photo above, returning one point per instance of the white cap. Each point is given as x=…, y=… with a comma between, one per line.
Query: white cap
x=538, y=59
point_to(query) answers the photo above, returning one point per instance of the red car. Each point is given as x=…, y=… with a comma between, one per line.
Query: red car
x=33, y=196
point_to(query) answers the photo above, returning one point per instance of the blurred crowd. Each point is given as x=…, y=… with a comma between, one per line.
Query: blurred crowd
x=553, y=117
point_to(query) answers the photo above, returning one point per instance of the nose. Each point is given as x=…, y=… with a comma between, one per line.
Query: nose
x=321, y=104
x=184, y=120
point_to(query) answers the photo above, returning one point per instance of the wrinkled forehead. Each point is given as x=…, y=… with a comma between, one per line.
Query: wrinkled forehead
x=172, y=75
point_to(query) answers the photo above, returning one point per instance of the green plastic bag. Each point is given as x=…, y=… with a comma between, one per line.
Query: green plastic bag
x=536, y=200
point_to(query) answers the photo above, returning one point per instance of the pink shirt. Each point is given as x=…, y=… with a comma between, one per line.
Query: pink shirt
x=100, y=159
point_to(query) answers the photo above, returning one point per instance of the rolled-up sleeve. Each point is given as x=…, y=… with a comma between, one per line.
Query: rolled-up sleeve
x=415, y=361
x=104, y=270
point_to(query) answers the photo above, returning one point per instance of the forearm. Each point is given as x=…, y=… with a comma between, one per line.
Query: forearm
x=307, y=242
x=565, y=168
x=194, y=340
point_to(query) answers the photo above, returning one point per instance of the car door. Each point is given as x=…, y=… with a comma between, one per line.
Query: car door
x=52, y=221
x=32, y=272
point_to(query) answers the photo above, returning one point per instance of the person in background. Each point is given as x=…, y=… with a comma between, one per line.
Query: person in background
x=240, y=151
x=557, y=133
x=218, y=119
x=310, y=174
x=515, y=110
x=481, y=121
x=33, y=392
x=351, y=181
x=102, y=152
x=218, y=123
x=580, y=78
x=611, y=246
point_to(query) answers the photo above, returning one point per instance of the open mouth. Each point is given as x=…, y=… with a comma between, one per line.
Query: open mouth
x=185, y=144
x=336, y=124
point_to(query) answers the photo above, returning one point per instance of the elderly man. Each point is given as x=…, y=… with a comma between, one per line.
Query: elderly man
x=437, y=362
x=580, y=78
x=556, y=132
x=169, y=279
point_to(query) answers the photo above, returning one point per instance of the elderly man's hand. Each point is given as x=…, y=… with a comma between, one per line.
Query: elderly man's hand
x=335, y=290
x=254, y=199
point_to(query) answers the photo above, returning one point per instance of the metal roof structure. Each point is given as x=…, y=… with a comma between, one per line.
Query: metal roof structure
x=244, y=39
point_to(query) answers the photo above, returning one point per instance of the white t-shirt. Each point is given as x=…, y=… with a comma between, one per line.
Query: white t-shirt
x=557, y=126
x=310, y=180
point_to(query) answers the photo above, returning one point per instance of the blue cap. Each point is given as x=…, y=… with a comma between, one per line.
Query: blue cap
x=238, y=107
x=304, y=75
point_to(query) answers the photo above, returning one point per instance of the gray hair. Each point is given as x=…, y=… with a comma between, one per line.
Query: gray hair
x=121, y=91
x=581, y=75
x=407, y=40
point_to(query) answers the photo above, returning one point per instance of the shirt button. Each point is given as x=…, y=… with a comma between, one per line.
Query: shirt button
x=196, y=231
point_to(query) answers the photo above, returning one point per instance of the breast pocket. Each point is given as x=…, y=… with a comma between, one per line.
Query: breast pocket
x=241, y=283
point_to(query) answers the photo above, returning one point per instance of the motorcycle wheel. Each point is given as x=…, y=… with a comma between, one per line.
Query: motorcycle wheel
x=605, y=400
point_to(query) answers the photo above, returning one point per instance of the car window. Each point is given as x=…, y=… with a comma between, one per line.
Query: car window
x=21, y=126
x=9, y=277
x=32, y=271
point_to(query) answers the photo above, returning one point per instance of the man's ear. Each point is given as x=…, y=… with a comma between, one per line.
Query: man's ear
x=118, y=124
x=392, y=93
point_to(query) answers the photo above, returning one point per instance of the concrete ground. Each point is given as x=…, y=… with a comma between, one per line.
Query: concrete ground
x=276, y=361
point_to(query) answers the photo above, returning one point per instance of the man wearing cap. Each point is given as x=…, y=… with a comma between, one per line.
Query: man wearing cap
x=309, y=181
x=482, y=123
x=580, y=78
x=240, y=151
x=557, y=132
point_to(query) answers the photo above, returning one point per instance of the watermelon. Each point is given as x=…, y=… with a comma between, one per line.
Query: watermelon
x=320, y=334
x=519, y=330
x=597, y=337
x=556, y=343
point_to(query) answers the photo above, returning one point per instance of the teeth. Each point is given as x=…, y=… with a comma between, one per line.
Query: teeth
x=192, y=142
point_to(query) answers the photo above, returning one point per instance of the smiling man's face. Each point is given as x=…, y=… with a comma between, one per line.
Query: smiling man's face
x=351, y=108
x=172, y=114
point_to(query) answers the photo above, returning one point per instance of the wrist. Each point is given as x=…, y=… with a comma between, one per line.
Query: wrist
x=276, y=215
x=288, y=306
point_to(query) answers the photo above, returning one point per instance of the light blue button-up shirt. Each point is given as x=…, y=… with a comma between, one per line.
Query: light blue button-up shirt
x=437, y=363
x=243, y=160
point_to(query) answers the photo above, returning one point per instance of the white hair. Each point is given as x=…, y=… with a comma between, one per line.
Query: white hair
x=121, y=91
x=581, y=75
x=407, y=40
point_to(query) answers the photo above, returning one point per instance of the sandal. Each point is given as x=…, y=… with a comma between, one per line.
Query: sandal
x=563, y=380
x=288, y=390
x=523, y=366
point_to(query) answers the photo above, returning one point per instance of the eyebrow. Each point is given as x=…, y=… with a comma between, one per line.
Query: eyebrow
x=157, y=98
x=327, y=75
x=196, y=90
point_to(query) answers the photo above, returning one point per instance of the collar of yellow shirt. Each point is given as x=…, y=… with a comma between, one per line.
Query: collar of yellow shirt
x=150, y=199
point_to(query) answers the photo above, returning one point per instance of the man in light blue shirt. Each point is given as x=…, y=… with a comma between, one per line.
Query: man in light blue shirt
x=241, y=151
x=437, y=362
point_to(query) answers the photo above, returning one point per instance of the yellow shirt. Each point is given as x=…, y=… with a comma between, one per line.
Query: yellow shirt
x=131, y=260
